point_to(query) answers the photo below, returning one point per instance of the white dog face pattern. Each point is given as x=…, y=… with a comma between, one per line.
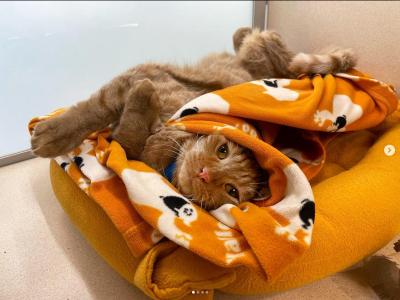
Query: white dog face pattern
x=276, y=88
x=303, y=221
x=64, y=162
x=88, y=163
x=330, y=107
x=205, y=103
x=171, y=205
x=344, y=112
x=297, y=207
x=182, y=208
x=307, y=213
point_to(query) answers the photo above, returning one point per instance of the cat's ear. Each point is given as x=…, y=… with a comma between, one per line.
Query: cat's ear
x=173, y=135
x=163, y=146
x=139, y=116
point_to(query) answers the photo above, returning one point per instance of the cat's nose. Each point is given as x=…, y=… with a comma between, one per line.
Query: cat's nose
x=204, y=175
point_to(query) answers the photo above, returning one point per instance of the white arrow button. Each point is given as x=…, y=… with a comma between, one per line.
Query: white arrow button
x=389, y=150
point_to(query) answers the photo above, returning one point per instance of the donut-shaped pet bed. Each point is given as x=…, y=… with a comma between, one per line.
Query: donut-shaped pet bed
x=358, y=212
x=272, y=244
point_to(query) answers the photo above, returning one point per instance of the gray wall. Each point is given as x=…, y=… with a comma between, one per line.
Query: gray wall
x=371, y=28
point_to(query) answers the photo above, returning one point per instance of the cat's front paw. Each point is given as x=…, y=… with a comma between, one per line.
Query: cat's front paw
x=54, y=137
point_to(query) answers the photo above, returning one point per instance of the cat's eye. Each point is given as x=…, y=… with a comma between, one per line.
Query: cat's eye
x=222, y=151
x=232, y=191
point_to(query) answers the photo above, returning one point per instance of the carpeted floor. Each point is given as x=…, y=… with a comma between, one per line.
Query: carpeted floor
x=42, y=255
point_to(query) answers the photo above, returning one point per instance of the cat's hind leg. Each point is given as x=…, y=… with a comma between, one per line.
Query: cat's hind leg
x=262, y=53
x=140, y=117
x=330, y=60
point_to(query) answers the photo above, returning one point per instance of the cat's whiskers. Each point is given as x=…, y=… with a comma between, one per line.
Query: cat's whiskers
x=172, y=149
x=197, y=144
x=175, y=153
x=202, y=137
x=213, y=201
x=167, y=154
x=260, y=195
x=169, y=146
x=175, y=141
x=236, y=147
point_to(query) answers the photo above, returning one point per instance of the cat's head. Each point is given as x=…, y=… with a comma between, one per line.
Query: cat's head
x=211, y=171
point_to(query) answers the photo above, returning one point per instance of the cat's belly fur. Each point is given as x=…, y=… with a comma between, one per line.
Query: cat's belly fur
x=176, y=86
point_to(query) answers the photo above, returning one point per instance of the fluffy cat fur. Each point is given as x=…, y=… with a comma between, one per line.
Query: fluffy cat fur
x=138, y=102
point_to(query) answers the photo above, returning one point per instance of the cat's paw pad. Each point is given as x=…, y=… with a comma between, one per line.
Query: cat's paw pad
x=271, y=37
x=53, y=137
x=239, y=36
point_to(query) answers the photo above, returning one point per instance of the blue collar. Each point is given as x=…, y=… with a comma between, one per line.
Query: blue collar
x=169, y=171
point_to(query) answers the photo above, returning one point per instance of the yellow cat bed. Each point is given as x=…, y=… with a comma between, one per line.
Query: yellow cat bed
x=268, y=244
x=358, y=212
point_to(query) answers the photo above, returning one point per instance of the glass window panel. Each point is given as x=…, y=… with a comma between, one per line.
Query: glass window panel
x=53, y=54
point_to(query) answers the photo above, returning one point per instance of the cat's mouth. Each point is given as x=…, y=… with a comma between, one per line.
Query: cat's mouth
x=189, y=183
x=196, y=191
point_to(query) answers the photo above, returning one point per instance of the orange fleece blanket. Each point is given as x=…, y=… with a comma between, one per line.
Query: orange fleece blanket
x=286, y=123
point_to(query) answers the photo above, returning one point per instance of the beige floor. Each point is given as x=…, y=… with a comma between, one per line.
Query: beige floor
x=42, y=256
